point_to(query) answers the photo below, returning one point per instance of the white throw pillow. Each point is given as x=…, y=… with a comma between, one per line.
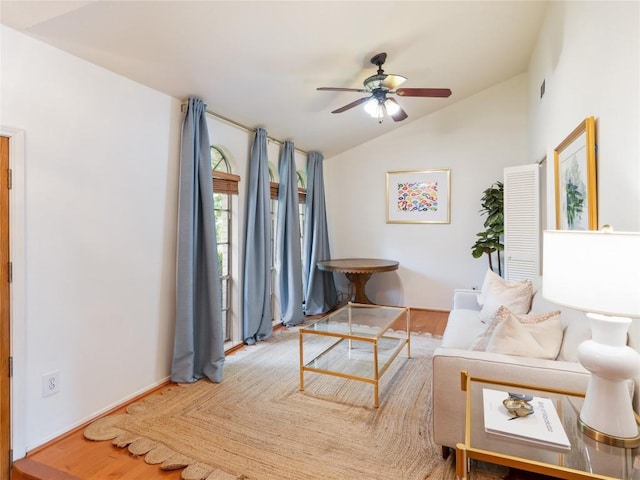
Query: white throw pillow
x=485, y=286
x=534, y=340
x=462, y=328
x=482, y=340
x=496, y=292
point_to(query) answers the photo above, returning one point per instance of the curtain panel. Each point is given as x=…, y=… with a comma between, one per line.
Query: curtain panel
x=319, y=287
x=256, y=292
x=288, y=250
x=199, y=344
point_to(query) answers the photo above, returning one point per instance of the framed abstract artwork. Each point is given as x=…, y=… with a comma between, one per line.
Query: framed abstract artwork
x=575, y=179
x=419, y=196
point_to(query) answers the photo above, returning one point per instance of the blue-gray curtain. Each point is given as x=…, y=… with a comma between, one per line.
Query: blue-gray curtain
x=319, y=287
x=199, y=346
x=256, y=292
x=288, y=251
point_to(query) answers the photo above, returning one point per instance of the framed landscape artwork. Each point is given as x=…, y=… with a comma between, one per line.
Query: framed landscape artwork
x=418, y=196
x=575, y=179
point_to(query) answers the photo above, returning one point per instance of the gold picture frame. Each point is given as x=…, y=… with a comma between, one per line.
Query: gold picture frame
x=419, y=196
x=575, y=179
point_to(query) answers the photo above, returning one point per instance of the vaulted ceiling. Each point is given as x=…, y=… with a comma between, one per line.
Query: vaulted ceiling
x=259, y=62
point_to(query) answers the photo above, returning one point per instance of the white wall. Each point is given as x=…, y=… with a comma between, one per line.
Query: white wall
x=475, y=138
x=100, y=190
x=588, y=54
x=100, y=195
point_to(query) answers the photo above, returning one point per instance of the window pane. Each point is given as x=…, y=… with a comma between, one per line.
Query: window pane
x=223, y=255
x=221, y=201
x=218, y=160
x=222, y=212
x=225, y=290
x=222, y=226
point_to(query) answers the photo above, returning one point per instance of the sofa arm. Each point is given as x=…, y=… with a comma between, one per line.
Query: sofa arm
x=466, y=299
x=449, y=400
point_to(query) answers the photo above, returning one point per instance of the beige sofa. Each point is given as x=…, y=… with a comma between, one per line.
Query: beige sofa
x=463, y=328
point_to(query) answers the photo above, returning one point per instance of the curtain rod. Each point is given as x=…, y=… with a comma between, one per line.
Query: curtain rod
x=183, y=107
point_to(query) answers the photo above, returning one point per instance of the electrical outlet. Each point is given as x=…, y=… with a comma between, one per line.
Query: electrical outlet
x=50, y=383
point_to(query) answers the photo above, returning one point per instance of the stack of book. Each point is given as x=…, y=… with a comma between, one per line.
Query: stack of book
x=542, y=427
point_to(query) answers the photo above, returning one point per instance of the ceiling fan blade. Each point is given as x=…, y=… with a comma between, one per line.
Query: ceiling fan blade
x=351, y=105
x=400, y=114
x=341, y=89
x=423, y=92
x=393, y=81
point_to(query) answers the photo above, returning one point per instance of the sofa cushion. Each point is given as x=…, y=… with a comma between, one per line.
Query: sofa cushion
x=463, y=326
x=577, y=329
x=574, y=322
x=534, y=340
x=496, y=292
x=541, y=304
x=482, y=340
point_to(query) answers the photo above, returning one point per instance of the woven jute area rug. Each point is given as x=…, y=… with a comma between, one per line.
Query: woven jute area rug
x=257, y=424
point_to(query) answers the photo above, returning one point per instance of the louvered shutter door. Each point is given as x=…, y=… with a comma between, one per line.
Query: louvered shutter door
x=522, y=222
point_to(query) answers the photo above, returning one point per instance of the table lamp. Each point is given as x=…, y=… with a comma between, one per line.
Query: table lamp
x=599, y=272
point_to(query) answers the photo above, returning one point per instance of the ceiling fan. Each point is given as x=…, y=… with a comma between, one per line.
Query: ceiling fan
x=380, y=86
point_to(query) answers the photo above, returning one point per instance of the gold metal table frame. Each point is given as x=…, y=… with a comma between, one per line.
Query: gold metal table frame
x=347, y=325
x=622, y=457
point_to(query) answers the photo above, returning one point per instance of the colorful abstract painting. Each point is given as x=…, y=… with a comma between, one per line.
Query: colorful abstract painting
x=418, y=197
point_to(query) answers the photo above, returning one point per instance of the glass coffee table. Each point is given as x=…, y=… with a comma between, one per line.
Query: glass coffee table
x=354, y=342
x=585, y=458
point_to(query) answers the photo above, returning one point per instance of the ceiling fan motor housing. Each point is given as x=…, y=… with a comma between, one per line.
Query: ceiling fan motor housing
x=374, y=81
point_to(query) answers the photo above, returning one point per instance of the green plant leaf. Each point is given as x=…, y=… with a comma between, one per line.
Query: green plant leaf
x=492, y=206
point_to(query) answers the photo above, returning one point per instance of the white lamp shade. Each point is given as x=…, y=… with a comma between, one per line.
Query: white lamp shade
x=593, y=271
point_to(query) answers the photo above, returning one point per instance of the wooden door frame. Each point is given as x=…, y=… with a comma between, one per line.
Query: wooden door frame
x=17, y=243
x=5, y=317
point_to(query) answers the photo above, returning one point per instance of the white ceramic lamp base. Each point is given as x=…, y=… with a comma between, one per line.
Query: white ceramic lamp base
x=607, y=413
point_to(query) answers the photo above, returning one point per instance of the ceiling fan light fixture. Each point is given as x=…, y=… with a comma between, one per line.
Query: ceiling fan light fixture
x=391, y=106
x=372, y=107
x=375, y=108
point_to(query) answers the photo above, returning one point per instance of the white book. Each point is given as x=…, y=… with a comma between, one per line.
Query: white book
x=543, y=426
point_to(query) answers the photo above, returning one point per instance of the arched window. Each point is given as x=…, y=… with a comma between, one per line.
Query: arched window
x=225, y=184
x=274, y=188
x=302, y=207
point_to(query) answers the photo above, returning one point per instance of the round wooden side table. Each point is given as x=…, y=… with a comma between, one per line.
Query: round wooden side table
x=358, y=272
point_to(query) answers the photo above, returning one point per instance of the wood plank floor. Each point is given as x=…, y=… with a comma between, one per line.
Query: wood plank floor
x=72, y=457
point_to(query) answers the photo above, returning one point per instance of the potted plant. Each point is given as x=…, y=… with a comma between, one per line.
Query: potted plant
x=490, y=240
